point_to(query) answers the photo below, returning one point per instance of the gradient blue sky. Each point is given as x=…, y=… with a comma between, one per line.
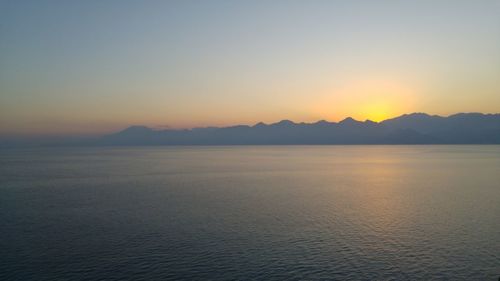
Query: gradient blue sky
x=90, y=67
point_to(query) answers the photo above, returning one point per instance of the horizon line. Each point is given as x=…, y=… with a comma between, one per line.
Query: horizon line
x=166, y=128
x=7, y=137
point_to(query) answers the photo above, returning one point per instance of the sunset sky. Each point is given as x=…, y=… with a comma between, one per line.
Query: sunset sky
x=92, y=67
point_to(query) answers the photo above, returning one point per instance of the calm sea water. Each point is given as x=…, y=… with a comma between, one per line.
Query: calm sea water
x=251, y=213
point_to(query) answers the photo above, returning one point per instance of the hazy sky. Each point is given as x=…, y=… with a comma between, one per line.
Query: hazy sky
x=89, y=67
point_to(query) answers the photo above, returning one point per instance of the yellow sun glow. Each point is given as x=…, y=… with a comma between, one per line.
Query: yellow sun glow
x=375, y=100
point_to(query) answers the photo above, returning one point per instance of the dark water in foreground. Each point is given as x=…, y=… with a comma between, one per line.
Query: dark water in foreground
x=264, y=213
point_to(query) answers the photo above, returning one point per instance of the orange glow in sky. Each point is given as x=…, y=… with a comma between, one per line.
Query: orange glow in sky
x=375, y=100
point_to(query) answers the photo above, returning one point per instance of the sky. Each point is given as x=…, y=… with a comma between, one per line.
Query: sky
x=94, y=67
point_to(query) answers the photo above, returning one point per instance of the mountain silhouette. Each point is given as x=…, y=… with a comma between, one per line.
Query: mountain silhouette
x=415, y=128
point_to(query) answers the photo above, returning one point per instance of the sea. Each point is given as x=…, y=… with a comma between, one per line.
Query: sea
x=330, y=212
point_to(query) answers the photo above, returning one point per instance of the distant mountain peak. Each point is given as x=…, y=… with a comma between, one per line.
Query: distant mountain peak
x=349, y=120
x=469, y=114
x=137, y=128
x=134, y=131
x=322, y=122
x=416, y=117
x=417, y=114
x=260, y=124
x=284, y=122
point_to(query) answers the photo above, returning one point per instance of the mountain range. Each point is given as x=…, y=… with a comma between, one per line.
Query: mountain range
x=415, y=128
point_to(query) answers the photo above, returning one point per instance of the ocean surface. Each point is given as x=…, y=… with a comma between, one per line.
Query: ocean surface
x=250, y=213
